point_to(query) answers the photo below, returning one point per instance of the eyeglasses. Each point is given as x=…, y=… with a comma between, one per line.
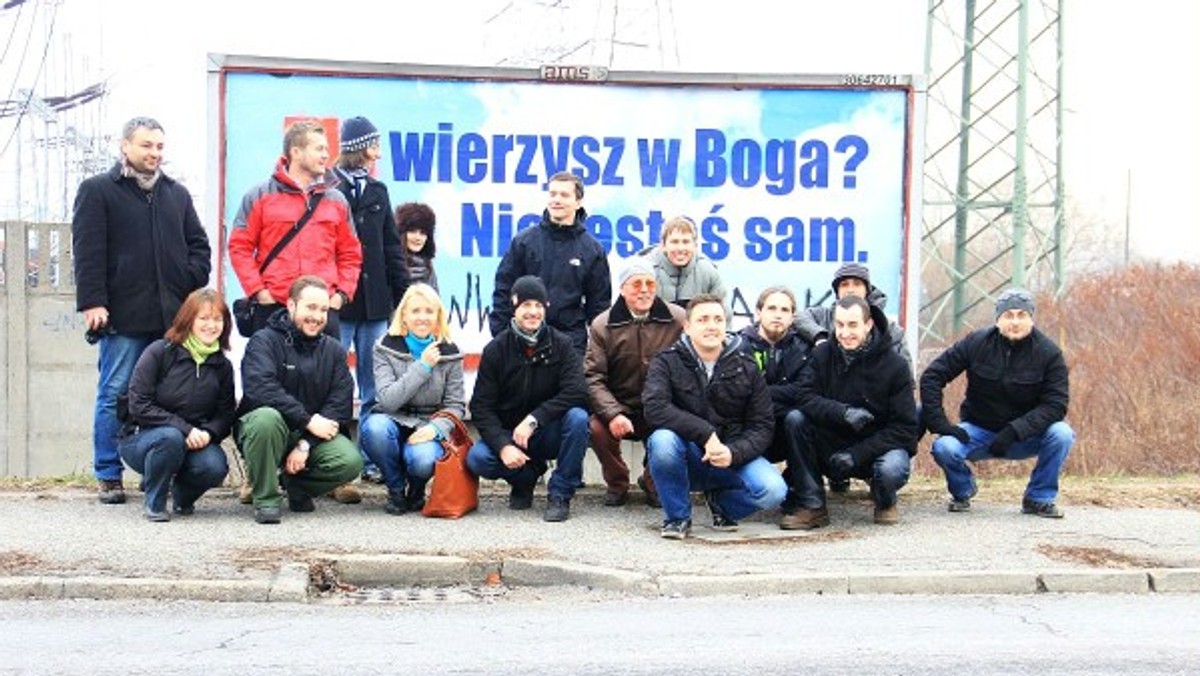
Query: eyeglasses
x=640, y=284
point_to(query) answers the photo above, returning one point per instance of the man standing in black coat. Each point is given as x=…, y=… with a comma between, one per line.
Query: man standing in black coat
x=566, y=257
x=139, y=250
x=857, y=399
x=297, y=396
x=712, y=420
x=1017, y=395
x=530, y=406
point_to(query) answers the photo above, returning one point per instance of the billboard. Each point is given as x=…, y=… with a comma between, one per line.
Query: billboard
x=786, y=178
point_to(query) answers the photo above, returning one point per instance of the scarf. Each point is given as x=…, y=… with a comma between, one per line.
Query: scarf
x=416, y=346
x=145, y=181
x=851, y=356
x=199, y=350
x=530, y=340
x=357, y=177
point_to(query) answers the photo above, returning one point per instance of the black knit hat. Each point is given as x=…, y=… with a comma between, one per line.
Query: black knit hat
x=855, y=270
x=528, y=288
x=358, y=133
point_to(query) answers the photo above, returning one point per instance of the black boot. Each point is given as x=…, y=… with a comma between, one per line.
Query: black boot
x=414, y=496
x=396, y=504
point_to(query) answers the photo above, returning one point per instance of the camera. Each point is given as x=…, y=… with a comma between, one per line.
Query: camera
x=93, y=336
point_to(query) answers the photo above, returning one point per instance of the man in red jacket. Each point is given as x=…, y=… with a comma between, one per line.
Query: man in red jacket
x=326, y=246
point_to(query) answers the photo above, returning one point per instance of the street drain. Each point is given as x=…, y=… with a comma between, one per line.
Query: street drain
x=413, y=595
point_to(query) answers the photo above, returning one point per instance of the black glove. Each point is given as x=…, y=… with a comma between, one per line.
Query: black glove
x=956, y=432
x=857, y=418
x=840, y=465
x=1000, y=443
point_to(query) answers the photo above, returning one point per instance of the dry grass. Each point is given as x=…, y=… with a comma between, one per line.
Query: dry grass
x=1132, y=342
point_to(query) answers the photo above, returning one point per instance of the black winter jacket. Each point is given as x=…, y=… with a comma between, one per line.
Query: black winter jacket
x=296, y=375
x=572, y=265
x=168, y=387
x=137, y=253
x=1023, y=384
x=780, y=364
x=879, y=381
x=384, y=277
x=513, y=382
x=734, y=403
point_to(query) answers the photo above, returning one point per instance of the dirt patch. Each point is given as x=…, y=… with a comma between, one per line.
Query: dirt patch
x=1098, y=557
x=1181, y=492
x=269, y=558
x=20, y=562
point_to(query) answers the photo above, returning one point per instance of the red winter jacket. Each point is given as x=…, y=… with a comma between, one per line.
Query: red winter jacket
x=327, y=246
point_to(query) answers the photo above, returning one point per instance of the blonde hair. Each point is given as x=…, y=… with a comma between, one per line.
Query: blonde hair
x=441, y=330
x=678, y=223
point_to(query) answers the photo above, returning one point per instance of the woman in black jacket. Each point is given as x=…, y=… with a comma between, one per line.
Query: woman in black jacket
x=180, y=407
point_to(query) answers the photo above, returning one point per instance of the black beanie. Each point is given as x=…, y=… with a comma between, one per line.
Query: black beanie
x=528, y=288
x=358, y=133
x=856, y=270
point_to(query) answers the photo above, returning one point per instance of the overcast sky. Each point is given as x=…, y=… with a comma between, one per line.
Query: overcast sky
x=1132, y=83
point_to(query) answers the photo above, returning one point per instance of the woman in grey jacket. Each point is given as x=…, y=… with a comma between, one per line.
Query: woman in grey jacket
x=418, y=372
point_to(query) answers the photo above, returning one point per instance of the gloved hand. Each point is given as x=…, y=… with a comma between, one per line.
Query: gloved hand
x=1000, y=443
x=857, y=418
x=840, y=465
x=956, y=432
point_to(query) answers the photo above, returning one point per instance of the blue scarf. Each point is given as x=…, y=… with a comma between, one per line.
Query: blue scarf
x=416, y=346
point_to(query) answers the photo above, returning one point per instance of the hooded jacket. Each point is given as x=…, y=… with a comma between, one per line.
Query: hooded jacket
x=409, y=393
x=137, y=253
x=514, y=381
x=679, y=285
x=619, y=352
x=734, y=402
x=296, y=375
x=878, y=380
x=384, y=277
x=168, y=387
x=1022, y=383
x=326, y=247
x=816, y=323
x=572, y=265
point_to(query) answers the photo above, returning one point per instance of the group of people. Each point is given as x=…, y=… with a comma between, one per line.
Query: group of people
x=826, y=392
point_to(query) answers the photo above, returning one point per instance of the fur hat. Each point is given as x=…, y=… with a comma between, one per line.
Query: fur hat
x=1014, y=299
x=855, y=270
x=358, y=133
x=638, y=266
x=528, y=288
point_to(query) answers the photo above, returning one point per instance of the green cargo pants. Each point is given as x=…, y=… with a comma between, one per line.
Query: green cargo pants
x=265, y=440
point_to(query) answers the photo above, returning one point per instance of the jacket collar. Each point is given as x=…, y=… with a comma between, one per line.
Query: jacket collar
x=620, y=314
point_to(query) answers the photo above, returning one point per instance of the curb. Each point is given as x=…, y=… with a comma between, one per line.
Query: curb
x=291, y=584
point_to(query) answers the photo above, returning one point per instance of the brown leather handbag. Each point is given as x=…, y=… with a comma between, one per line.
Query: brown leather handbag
x=454, y=490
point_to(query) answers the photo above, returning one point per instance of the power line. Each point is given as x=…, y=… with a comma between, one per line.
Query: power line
x=36, y=77
x=11, y=33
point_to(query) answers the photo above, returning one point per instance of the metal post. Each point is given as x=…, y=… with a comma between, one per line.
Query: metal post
x=963, y=192
x=1020, y=201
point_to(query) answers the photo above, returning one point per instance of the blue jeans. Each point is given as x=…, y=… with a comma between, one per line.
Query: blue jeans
x=1051, y=449
x=739, y=491
x=362, y=336
x=384, y=441
x=160, y=455
x=887, y=473
x=564, y=441
x=118, y=355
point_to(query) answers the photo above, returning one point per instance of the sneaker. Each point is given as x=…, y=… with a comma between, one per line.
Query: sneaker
x=347, y=494
x=371, y=474
x=267, y=514
x=719, y=520
x=615, y=498
x=246, y=492
x=155, y=516
x=805, y=519
x=651, y=494
x=841, y=486
x=396, y=504
x=184, y=510
x=676, y=530
x=521, y=497
x=887, y=516
x=1046, y=510
x=557, y=509
x=299, y=501
x=112, y=492
x=963, y=505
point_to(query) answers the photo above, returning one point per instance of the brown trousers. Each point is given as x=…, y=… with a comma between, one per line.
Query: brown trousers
x=608, y=451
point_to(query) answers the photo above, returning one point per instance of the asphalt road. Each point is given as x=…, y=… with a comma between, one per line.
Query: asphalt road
x=569, y=633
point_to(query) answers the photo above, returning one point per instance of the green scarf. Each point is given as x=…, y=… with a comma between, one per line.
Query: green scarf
x=199, y=350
